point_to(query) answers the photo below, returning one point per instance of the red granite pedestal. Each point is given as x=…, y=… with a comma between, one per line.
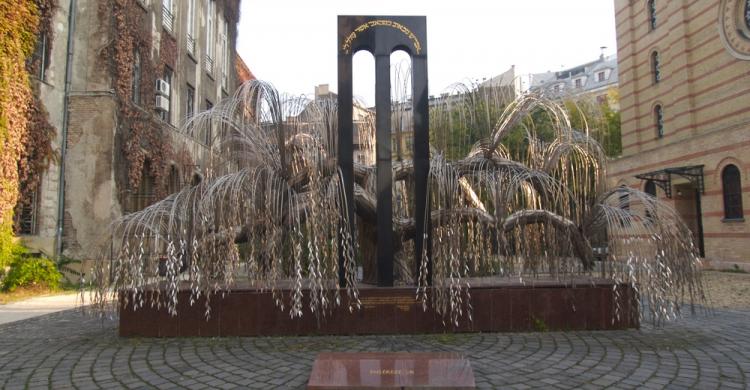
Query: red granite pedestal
x=498, y=306
x=395, y=370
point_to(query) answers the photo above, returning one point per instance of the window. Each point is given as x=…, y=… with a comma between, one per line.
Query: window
x=174, y=184
x=747, y=13
x=652, y=14
x=655, y=67
x=659, y=120
x=27, y=218
x=224, y=53
x=167, y=15
x=191, y=27
x=409, y=144
x=650, y=188
x=135, y=88
x=38, y=60
x=190, y=102
x=732, y=189
x=210, y=44
x=624, y=198
x=166, y=115
x=600, y=77
x=144, y=196
x=208, y=135
x=578, y=83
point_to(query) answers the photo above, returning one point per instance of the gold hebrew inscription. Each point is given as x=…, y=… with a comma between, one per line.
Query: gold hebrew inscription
x=388, y=372
x=347, y=47
x=403, y=302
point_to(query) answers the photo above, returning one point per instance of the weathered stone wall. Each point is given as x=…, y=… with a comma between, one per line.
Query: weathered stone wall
x=91, y=201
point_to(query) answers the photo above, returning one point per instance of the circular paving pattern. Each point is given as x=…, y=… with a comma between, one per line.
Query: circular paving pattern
x=68, y=350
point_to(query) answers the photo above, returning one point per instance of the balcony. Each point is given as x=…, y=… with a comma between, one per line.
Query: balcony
x=167, y=19
x=190, y=44
x=209, y=64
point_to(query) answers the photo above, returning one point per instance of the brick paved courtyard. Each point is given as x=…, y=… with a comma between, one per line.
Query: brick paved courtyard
x=65, y=350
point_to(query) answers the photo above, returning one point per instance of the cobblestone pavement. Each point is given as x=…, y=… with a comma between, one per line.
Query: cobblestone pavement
x=65, y=350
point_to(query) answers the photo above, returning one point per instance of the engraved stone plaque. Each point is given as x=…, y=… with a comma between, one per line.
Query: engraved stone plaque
x=391, y=370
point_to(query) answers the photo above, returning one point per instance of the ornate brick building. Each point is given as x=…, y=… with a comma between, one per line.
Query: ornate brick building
x=684, y=74
x=121, y=78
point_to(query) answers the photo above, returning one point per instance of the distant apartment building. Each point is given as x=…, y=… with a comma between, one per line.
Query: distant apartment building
x=685, y=96
x=593, y=79
x=121, y=77
x=364, y=125
x=506, y=86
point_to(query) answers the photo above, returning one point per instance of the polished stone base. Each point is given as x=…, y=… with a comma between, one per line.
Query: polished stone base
x=498, y=306
x=391, y=370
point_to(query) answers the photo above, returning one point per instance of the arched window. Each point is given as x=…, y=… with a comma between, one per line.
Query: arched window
x=659, y=121
x=652, y=14
x=655, y=67
x=136, y=82
x=732, y=189
x=747, y=13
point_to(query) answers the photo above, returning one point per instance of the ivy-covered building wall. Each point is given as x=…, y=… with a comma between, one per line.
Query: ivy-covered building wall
x=121, y=152
x=36, y=211
x=18, y=26
x=25, y=131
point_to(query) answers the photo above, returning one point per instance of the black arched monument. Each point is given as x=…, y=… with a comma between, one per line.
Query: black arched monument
x=381, y=36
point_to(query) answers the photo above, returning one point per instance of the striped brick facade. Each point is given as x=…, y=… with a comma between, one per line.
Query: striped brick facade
x=704, y=92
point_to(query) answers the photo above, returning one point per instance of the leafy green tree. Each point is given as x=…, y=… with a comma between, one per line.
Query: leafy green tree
x=600, y=118
x=454, y=129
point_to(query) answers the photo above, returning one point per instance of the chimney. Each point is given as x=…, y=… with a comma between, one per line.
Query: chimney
x=321, y=90
x=602, y=48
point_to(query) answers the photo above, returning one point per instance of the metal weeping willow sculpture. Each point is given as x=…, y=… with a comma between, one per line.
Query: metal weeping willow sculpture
x=273, y=212
x=270, y=213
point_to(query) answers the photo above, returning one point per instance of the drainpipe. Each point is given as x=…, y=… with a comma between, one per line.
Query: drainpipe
x=64, y=130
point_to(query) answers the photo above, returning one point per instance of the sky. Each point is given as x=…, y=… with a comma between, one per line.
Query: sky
x=292, y=44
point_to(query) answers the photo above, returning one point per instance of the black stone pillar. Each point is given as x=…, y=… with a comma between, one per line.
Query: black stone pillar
x=384, y=168
x=421, y=153
x=345, y=146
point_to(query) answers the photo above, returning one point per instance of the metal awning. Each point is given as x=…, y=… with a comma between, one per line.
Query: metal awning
x=663, y=177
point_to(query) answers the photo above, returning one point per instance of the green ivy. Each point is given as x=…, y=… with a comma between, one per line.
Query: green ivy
x=18, y=28
x=9, y=248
